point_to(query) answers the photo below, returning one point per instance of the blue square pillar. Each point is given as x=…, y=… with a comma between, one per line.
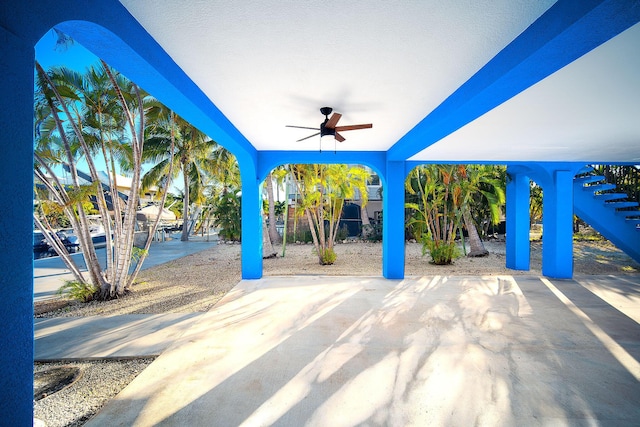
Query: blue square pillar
x=16, y=231
x=557, y=226
x=517, y=221
x=393, y=221
x=251, y=233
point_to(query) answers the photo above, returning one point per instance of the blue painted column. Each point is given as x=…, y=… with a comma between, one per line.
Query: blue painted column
x=251, y=236
x=557, y=225
x=16, y=231
x=393, y=221
x=518, y=248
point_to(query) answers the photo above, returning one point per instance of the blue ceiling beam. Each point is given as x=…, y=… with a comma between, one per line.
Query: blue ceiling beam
x=568, y=30
x=269, y=159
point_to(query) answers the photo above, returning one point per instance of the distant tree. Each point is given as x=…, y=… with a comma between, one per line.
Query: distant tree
x=535, y=203
x=194, y=153
x=226, y=212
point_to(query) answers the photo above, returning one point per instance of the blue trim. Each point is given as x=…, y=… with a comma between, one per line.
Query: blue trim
x=568, y=30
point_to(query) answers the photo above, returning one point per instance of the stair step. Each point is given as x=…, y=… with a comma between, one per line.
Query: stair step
x=589, y=179
x=622, y=205
x=586, y=169
x=610, y=196
x=629, y=215
x=600, y=187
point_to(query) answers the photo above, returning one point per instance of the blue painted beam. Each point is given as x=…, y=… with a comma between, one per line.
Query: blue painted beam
x=156, y=73
x=557, y=225
x=268, y=160
x=251, y=232
x=568, y=30
x=393, y=220
x=517, y=220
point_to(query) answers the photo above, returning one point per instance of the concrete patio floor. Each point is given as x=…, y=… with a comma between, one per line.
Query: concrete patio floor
x=430, y=351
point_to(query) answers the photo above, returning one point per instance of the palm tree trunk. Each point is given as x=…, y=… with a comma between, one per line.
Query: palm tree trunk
x=273, y=232
x=185, y=211
x=476, y=247
x=267, y=246
x=367, y=230
x=314, y=236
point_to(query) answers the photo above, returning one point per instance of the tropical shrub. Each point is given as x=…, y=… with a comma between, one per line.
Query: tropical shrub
x=78, y=291
x=328, y=256
x=442, y=253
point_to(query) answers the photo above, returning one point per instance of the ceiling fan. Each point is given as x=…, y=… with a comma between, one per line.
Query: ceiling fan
x=329, y=126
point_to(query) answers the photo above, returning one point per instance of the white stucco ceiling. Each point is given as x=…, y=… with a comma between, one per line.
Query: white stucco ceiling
x=270, y=64
x=589, y=110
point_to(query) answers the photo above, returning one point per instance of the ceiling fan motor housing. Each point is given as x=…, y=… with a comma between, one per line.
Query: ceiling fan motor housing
x=325, y=131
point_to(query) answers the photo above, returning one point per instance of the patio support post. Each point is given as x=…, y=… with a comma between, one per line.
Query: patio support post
x=557, y=226
x=517, y=221
x=251, y=234
x=393, y=221
x=16, y=230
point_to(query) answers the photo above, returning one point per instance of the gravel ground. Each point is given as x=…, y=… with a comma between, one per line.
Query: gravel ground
x=196, y=282
x=99, y=382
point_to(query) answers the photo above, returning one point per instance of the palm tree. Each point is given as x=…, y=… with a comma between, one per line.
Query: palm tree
x=484, y=190
x=82, y=112
x=278, y=174
x=198, y=158
x=436, y=197
x=273, y=232
x=323, y=190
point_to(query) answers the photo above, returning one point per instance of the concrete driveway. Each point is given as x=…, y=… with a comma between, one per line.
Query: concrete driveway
x=430, y=351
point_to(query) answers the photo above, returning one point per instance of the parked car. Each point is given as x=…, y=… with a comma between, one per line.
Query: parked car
x=42, y=249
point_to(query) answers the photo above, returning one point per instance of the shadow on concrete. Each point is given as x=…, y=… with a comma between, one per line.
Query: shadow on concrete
x=428, y=351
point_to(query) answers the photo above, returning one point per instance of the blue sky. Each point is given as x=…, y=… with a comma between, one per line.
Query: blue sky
x=75, y=56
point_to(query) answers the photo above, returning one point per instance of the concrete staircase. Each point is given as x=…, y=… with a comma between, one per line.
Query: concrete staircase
x=609, y=212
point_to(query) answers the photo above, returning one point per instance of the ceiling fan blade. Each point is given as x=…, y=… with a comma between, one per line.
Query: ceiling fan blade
x=301, y=127
x=353, y=127
x=307, y=137
x=339, y=137
x=333, y=121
